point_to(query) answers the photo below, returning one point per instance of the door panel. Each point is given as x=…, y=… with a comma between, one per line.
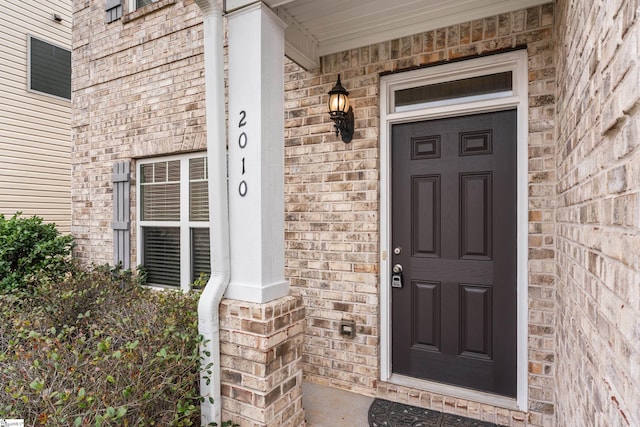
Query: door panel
x=475, y=215
x=476, y=327
x=426, y=311
x=454, y=216
x=425, y=216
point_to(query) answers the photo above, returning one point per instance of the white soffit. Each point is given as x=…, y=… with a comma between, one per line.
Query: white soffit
x=300, y=45
x=231, y=5
x=339, y=25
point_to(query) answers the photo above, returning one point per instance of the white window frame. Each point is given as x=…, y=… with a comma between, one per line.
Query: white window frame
x=29, y=38
x=517, y=63
x=133, y=6
x=185, y=224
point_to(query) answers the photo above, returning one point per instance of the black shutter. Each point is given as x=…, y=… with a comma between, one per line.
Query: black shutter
x=121, y=207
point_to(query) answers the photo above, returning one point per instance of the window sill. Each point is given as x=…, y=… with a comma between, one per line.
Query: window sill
x=150, y=8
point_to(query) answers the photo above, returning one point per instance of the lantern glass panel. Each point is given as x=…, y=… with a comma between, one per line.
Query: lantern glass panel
x=338, y=103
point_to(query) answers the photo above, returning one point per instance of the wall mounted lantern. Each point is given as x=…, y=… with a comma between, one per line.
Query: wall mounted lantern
x=341, y=112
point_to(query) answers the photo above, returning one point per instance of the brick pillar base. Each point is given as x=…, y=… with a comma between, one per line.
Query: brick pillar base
x=261, y=361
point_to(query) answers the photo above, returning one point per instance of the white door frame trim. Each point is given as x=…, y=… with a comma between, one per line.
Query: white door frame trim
x=517, y=63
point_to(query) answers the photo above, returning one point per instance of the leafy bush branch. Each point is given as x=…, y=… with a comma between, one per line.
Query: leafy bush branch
x=94, y=351
x=30, y=247
x=90, y=347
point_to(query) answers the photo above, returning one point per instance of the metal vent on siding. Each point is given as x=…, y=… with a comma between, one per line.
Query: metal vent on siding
x=49, y=68
x=121, y=206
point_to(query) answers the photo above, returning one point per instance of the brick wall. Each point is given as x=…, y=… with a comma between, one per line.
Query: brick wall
x=597, y=218
x=138, y=91
x=261, y=357
x=332, y=204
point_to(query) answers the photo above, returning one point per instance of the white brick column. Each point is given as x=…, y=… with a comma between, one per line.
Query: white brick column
x=256, y=154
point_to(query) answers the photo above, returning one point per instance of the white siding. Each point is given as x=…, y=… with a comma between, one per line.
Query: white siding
x=35, y=129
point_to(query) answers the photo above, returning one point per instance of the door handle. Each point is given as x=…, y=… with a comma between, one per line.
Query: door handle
x=397, y=268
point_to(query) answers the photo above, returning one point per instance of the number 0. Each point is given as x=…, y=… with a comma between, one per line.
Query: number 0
x=242, y=140
x=242, y=188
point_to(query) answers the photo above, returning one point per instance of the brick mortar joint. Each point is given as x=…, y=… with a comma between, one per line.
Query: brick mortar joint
x=264, y=340
x=284, y=302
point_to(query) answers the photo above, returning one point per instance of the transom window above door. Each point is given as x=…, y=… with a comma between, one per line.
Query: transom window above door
x=477, y=88
x=482, y=84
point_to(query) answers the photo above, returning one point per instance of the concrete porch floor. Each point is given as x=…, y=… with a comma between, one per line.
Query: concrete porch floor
x=329, y=407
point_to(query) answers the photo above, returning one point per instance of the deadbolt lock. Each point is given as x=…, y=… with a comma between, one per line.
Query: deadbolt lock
x=397, y=251
x=396, y=278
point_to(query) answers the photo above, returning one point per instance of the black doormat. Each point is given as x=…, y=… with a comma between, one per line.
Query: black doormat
x=384, y=413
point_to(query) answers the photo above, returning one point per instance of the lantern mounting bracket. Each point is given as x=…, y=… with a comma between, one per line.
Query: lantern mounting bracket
x=344, y=125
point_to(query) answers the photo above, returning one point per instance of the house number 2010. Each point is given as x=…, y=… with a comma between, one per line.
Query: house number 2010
x=242, y=143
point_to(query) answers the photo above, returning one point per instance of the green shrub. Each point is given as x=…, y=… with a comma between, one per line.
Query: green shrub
x=28, y=247
x=97, y=349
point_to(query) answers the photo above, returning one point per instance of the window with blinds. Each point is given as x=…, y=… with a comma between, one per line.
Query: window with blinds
x=161, y=257
x=142, y=3
x=160, y=189
x=200, y=253
x=173, y=206
x=198, y=191
x=113, y=9
x=199, y=211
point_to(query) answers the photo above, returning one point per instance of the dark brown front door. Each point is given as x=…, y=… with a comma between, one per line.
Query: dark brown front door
x=454, y=234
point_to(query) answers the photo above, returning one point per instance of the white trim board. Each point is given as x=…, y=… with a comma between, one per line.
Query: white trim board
x=516, y=62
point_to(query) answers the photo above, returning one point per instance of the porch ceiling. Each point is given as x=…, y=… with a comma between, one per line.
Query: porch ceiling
x=321, y=27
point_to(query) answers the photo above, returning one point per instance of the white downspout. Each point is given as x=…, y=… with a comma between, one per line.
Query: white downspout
x=208, y=306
